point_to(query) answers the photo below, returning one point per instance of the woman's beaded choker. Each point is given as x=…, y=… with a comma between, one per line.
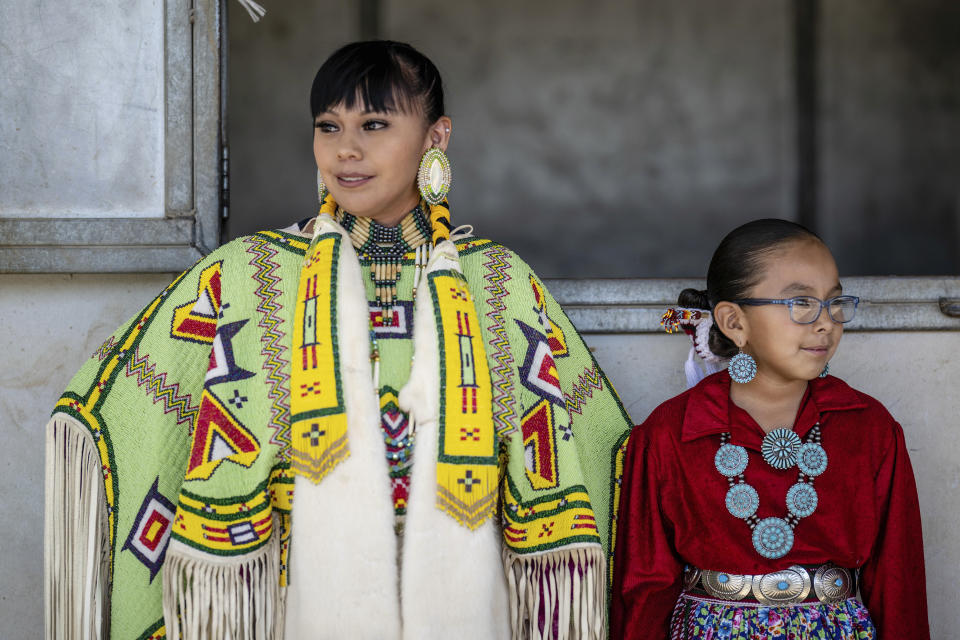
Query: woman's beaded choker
x=385, y=247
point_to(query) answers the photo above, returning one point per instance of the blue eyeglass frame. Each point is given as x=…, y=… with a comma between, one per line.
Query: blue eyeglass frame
x=789, y=302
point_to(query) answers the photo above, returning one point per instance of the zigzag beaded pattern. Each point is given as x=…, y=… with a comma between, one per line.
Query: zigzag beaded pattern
x=272, y=349
x=504, y=412
x=583, y=389
x=161, y=392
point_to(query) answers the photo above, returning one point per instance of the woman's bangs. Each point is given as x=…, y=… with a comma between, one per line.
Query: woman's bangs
x=377, y=88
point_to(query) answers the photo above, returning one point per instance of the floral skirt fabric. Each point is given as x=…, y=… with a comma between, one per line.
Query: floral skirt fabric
x=714, y=620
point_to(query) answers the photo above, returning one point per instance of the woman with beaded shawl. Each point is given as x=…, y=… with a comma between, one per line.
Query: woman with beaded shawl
x=370, y=424
x=764, y=500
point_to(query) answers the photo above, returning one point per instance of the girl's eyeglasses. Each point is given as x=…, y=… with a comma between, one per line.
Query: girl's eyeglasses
x=806, y=309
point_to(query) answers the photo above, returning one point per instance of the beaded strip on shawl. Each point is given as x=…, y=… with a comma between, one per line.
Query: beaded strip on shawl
x=467, y=470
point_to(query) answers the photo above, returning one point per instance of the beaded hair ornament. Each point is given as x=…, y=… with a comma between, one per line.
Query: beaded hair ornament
x=696, y=324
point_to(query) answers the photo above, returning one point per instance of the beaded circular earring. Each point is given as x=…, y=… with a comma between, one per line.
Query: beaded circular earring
x=743, y=368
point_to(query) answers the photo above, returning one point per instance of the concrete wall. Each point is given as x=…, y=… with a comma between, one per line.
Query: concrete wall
x=53, y=323
x=890, y=135
x=612, y=138
x=583, y=132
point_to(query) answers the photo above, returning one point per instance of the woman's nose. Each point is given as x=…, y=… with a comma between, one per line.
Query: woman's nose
x=349, y=147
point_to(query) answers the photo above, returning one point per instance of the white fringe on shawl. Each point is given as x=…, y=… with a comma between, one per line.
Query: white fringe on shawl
x=205, y=596
x=75, y=534
x=566, y=588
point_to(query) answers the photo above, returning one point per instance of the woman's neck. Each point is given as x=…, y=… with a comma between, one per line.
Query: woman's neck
x=392, y=215
x=772, y=404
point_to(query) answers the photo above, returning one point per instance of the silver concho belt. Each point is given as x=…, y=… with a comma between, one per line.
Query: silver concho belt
x=830, y=584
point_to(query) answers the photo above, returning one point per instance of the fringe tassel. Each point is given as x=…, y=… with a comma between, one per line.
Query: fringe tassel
x=691, y=370
x=557, y=596
x=75, y=534
x=253, y=9
x=205, y=597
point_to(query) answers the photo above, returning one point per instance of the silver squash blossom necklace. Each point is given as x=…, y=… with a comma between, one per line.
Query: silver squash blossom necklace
x=781, y=449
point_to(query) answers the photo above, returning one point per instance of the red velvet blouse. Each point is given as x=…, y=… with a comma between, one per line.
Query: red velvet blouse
x=672, y=509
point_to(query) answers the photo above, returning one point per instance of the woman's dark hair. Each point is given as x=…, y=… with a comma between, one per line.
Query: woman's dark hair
x=737, y=266
x=383, y=76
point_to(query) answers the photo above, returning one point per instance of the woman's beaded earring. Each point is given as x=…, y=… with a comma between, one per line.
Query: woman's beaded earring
x=826, y=370
x=433, y=178
x=321, y=187
x=743, y=368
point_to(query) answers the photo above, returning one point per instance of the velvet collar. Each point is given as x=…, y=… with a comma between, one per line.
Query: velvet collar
x=709, y=410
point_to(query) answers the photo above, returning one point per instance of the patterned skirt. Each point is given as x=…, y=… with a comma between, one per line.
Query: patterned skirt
x=715, y=620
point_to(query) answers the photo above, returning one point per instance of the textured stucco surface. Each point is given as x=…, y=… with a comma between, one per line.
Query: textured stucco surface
x=51, y=324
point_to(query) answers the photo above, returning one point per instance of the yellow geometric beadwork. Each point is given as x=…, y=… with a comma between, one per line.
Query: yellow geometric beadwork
x=555, y=337
x=318, y=416
x=232, y=528
x=196, y=321
x=564, y=519
x=467, y=462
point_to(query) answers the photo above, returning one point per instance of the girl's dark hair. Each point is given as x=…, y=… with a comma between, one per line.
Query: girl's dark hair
x=382, y=75
x=737, y=266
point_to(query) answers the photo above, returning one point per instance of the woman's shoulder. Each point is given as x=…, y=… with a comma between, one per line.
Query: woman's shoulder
x=479, y=250
x=493, y=264
x=287, y=240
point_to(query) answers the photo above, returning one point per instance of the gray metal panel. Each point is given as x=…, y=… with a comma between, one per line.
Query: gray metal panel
x=191, y=226
x=26, y=232
x=207, y=36
x=178, y=140
x=636, y=305
x=104, y=259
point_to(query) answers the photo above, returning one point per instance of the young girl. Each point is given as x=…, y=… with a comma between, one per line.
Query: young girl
x=760, y=502
x=367, y=425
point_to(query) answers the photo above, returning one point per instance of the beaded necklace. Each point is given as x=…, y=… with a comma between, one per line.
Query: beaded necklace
x=781, y=449
x=385, y=247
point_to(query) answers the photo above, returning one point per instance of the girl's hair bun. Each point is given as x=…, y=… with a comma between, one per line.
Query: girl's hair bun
x=694, y=299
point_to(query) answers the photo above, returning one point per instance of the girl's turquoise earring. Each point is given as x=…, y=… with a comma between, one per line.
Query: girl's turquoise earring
x=743, y=368
x=826, y=370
